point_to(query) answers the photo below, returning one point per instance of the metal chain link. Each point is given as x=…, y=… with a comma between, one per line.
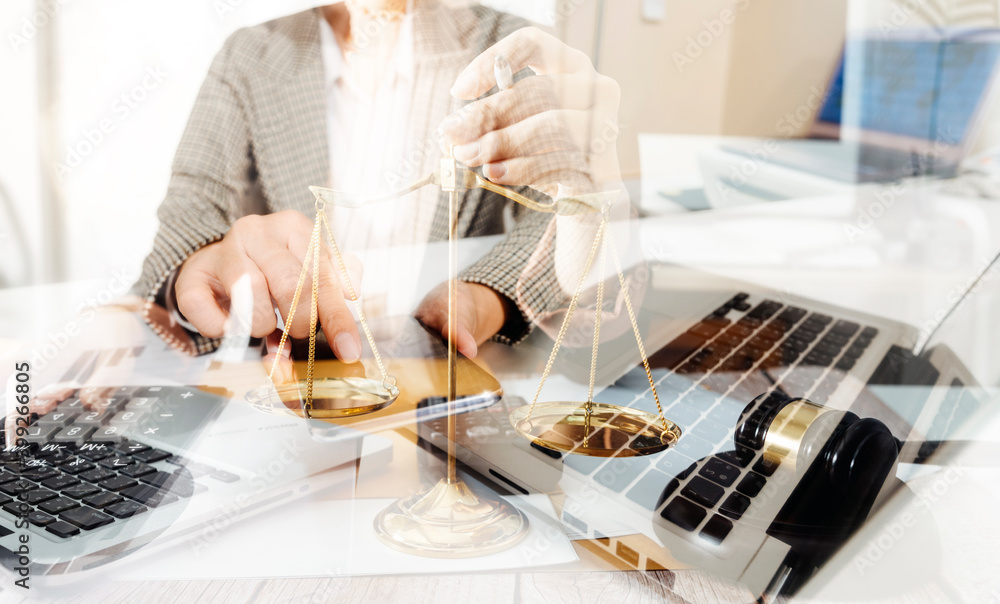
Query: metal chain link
x=569, y=316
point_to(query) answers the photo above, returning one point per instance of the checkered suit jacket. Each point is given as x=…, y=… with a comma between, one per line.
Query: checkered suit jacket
x=257, y=138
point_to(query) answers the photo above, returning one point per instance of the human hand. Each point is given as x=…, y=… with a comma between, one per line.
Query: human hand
x=481, y=314
x=269, y=252
x=556, y=131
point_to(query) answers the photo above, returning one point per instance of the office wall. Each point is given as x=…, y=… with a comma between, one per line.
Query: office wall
x=782, y=54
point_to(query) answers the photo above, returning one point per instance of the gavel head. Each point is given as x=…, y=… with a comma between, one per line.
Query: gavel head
x=797, y=431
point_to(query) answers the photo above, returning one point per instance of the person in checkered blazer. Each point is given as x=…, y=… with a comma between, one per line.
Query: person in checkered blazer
x=274, y=116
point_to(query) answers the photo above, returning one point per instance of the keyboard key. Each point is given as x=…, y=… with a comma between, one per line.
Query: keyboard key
x=94, y=451
x=151, y=456
x=70, y=405
x=103, y=499
x=817, y=359
x=116, y=462
x=108, y=434
x=92, y=419
x=223, y=476
x=37, y=496
x=136, y=469
x=16, y=508
x=17, y=487
x=846, y=363
x=39, y=473
x=766, y=466
x=58, y=505
x=73, y=435
x=791, y=315
x=618, y=473
x=128, y=447
x=648, y=489
x=125, y=509
x=142, y=404
x=117, y=483
x=693, y=446
x=719, y=471
x=740, y=456
x=683, y=415
x=751, y=484
x=86, y=518
x=96, y=475
x=39, y=434
x=716, y=529
x=826, y=349
x=81, y=490
x=184, y=487
x=680, y=348
x=735, y=505
x=148, y=495
x=580, y=463
x=684, y=513
x=711, y=431
x=62, y=529
x=707, y=329
x=40, y=518
x=57, y=418
x=53, y=454
x=704, y=492
x=835, y=339
x=7, y=476
x=804, y=333
x=76, y=466
x=846, y=328
x=676, y=465
x=61, y=482
x=765, y=310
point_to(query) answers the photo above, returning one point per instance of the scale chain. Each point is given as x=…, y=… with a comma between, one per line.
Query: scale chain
x=569, y=315
x=635, y=330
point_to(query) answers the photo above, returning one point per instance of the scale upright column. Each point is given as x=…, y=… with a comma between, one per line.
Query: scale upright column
x=450, y=520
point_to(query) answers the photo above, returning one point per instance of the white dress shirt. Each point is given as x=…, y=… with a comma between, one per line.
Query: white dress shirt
x=371, y=134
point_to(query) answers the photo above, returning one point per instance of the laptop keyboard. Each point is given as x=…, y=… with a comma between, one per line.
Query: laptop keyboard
x=705, y=378
x=86, y=469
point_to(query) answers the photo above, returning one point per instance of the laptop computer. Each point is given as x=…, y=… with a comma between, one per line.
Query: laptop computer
x=899, y=105
x=712, y=501
x=154, y=463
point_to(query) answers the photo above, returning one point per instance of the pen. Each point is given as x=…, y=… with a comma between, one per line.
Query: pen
x=502, y=73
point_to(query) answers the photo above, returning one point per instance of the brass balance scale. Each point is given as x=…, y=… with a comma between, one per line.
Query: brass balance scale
x=449, y=519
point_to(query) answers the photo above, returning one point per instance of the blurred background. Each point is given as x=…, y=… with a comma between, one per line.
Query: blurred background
x=97, y=92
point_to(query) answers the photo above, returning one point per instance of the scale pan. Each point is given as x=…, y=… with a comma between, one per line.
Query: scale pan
x=613, y=431
x=332, y=397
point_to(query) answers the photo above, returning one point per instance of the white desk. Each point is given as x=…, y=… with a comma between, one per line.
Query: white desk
x=791, y=246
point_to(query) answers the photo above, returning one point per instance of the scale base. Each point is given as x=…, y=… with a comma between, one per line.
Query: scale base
x=595, y=430
x=449, y=520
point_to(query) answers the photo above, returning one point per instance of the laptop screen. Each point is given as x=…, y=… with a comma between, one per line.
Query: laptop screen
x=926, y=88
